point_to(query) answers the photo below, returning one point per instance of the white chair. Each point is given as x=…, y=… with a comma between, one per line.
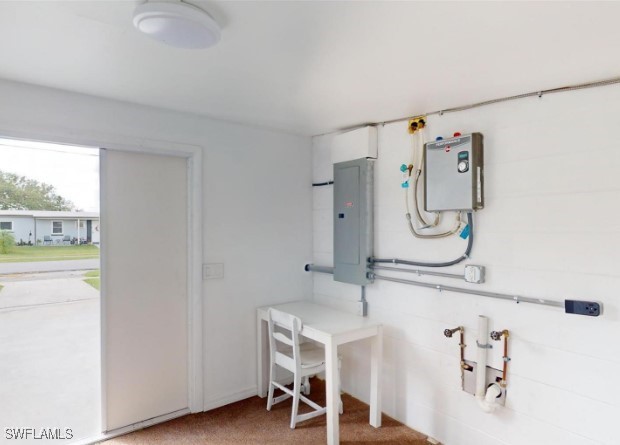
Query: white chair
x=302, y=359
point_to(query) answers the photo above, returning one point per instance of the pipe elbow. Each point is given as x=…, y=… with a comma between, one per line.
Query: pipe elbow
x=488, y=402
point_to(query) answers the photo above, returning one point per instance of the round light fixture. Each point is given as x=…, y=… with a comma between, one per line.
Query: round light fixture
x=177, y=24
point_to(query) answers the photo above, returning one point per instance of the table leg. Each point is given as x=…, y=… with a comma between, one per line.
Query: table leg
x=331, y=382
x=261, y=333
x=375, y=378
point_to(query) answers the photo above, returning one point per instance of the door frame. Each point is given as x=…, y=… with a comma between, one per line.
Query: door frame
x=193, y=154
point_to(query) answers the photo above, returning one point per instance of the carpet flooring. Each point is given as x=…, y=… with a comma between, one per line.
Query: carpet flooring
x=248, y=422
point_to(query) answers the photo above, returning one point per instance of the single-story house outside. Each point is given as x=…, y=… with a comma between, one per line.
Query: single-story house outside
x=51, y=227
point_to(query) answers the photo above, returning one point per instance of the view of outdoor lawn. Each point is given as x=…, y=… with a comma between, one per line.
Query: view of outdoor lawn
x=49, y=288
x=49, y=253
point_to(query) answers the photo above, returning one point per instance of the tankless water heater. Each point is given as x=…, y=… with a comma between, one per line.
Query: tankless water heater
x=453, y=174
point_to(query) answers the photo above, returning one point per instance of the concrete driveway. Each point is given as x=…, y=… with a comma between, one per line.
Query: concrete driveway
x=50, y=354
x=25, y=290
x=48, y=266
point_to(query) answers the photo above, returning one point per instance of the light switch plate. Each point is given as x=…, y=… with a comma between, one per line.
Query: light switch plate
x=212, y=271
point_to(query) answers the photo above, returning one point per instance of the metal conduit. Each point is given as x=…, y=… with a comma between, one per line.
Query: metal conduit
x=539, y=94
x=321, y=269
x=440, y=287
x=417, y=271
x=515, y=298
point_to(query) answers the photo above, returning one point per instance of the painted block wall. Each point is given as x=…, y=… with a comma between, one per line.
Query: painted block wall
x=22, y=227
x=550, y=228
x=69, y=228
x=257, y=209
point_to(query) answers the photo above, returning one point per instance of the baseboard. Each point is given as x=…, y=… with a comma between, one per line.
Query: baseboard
x=231, y=398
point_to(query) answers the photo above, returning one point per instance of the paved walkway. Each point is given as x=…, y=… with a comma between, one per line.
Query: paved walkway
x=50, y=355
x=48, y=266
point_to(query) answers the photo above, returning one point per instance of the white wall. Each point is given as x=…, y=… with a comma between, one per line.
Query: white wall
x=550, y=229
x=256, y=199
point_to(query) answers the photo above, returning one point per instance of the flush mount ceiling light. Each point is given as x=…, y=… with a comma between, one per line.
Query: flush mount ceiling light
x=177, y=24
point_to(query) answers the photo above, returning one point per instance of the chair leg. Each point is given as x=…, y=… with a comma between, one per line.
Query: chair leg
x=340, y=404
x=296, y=392
x=272, y=374
x=307, y=385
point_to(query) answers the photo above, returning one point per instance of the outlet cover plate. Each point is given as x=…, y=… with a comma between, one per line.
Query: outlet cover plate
x=212, y=271
x=474, y=273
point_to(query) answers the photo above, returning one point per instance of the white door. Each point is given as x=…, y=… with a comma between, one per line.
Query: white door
x=144, y=239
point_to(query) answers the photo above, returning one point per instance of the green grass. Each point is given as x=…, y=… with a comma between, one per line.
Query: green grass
x=93, y=274
x=94, y=282
x=24, y=254
x=1, y=286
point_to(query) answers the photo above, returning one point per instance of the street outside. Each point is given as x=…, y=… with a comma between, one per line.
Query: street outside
x=50, y=346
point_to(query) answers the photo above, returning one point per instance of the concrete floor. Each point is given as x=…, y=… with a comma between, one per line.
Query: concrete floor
x=49, y=354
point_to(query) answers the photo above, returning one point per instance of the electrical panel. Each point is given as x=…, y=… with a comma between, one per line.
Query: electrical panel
x=353, y=221
x=453, y=174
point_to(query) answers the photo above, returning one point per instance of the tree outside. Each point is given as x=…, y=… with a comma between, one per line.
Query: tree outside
x=21, y=193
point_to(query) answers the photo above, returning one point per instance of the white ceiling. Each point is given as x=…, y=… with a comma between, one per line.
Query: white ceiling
x=310, y=67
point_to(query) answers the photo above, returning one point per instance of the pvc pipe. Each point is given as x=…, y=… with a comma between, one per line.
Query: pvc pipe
x=488, y=402
x=481, y=365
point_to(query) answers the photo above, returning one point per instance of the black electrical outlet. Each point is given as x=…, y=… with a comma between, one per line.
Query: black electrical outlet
x=590, y=308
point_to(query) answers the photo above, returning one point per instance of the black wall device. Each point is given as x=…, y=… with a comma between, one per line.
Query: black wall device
x=591, y=308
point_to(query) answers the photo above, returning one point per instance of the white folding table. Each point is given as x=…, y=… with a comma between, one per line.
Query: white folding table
x=332, y=328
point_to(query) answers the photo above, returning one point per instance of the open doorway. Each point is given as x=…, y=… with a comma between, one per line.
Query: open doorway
x=50, y=366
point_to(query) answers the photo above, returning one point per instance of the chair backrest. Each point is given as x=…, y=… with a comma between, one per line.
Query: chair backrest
x=47, y=238
x=284, y=328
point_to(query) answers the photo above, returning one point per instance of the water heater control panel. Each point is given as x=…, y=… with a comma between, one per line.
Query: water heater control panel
x=454, y=176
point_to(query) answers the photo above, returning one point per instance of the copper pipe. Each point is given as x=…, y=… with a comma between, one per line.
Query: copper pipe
x=464, y=366
x=504, y=382
x=497, y=335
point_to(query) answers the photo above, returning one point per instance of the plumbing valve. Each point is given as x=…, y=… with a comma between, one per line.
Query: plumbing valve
x=497, y=335
x=450, y=332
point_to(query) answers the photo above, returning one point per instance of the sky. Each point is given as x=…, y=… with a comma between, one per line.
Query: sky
x=73, y=171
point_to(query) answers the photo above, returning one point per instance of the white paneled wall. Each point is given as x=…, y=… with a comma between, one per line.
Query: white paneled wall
x=256, y=209
x=550, y=228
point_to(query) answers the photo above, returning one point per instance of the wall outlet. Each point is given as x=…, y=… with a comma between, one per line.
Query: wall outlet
x=212, y=271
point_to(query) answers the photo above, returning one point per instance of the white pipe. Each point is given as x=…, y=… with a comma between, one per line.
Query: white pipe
x=481, y=365
x=488, y=403
x=486, y=397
